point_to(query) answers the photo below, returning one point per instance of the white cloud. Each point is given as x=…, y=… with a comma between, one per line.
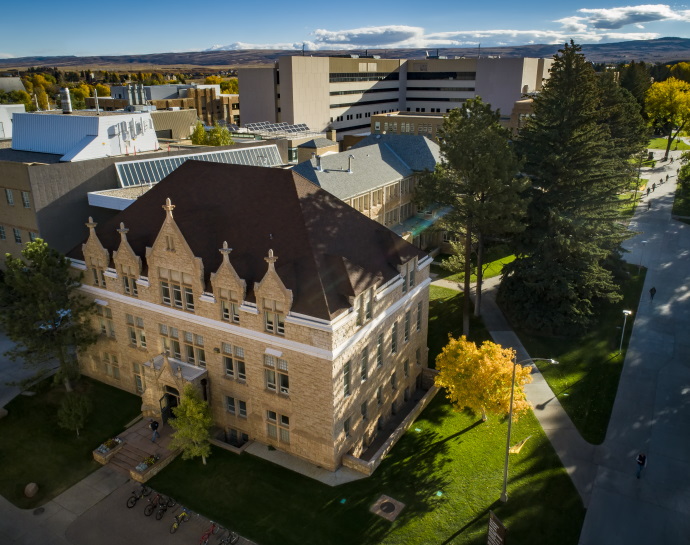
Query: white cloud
x=6, y=56
x=586, y=26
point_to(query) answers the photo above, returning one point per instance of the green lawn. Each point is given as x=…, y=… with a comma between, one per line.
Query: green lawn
x=33, y=448
x=660, y=143
x=495, y=259
x=447, y=470
x=445, y=316
x=586, y=382
x=628, y=203
x=681, y=203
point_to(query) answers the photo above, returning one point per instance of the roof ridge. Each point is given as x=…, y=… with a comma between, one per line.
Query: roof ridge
x=396, y=155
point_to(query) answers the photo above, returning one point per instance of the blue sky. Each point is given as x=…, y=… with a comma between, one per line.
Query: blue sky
x=70, y=28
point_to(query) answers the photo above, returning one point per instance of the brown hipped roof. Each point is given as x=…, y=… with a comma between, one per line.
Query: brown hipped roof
x=326, y=250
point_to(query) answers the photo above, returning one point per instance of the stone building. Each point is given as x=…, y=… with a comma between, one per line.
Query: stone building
x=301, y=321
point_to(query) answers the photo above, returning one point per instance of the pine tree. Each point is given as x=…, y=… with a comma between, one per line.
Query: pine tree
x=477, y=179
x=559, y=275
x=41, y=310
x=635, y=77
x=192, y=423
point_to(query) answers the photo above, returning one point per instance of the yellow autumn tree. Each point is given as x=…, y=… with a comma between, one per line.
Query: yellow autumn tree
x=668, y=104
x=478, y=378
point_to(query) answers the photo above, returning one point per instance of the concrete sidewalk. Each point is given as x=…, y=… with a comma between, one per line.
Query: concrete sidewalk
x=651, y=413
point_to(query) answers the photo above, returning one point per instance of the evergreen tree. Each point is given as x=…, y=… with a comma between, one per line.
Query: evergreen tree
x=74, y=411
x=41, y=311
x=476, y=177
x=559, y=275
x=192, y=423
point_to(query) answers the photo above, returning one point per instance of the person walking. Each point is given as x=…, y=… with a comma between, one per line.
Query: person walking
x=641, y=463
x=153, y=424
x=652, y=293
x=653, y=187
x=648, y=190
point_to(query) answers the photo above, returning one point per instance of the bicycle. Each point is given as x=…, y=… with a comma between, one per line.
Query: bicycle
x=213, y=530
x=153, y=503
x=230, y=539
x=163, y=507
x=137, y=495
x=179, y=519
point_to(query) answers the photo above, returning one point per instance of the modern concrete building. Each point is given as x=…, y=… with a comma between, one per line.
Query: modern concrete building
x=302, y=322
x=344, y=92
x=211, y=105
x=421, y=123
x=42, y=196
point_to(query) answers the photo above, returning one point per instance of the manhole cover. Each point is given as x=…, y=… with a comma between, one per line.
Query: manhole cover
x=39, y=511
x=387, y=507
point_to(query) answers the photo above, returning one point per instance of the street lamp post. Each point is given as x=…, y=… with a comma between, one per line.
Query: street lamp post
x=504, y=494
x=626, y=313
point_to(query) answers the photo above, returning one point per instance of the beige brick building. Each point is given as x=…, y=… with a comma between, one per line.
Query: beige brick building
x=301, y=321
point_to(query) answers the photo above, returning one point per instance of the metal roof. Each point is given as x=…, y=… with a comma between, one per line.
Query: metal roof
x=151, y=171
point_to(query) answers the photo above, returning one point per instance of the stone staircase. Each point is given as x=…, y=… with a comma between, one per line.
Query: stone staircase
x=128, y=457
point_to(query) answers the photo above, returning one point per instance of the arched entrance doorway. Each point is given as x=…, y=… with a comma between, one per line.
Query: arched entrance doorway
x=170, y=400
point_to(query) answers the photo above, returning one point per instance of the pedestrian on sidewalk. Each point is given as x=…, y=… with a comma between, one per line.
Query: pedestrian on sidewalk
x=153, y=424
x=654, y=186
x=652, y=293
x=649, y=205
x=641, y=463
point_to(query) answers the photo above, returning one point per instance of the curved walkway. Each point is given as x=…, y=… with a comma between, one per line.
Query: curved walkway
x=651, y=412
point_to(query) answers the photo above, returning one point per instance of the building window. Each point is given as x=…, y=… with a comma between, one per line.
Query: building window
x=233, y=360
x=129, y=280
x=346, y=427
x=394, y=338
x=9, y=196
x=406, y=328
x=419, y=316
x=25, y=199
x=236, y=406
x=230, y=405
x=137, y=335
x=379, y=350
x=346, y=379
x=170, y=341
x=363, y=410
x=3, y=236
x=406, y=368
x=379, y=395
x=230, y=305
x=105, y=320
x=111, y=366
x=364, y=305
x=32, y=236
x=418, y=356
x=194, y=349
x=274, y=316
x=278, y=426
x=17, y=235
x=406, y=394
x=276, y=373
x=364, y=363
x=394, y=381
x=176, y=289
x=139, y=383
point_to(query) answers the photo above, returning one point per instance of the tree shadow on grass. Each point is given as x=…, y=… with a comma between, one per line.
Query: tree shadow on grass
x=470, y=524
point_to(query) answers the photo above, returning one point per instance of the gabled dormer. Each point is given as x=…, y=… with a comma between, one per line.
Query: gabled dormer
x=96, y=257
x=408, y=272
x=173, y=269
x=127, y=264
x=273, y=299
x=228, y=288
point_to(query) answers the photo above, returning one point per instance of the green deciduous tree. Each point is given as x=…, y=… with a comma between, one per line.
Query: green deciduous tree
x=41, y=310
x=74, y=411
x=230, y=86
x=480, y=378
x=681, y=71
x=102, y=90
x=198, y=136
x=192, y=424
x=668, y=105
x=219, y=136
x=560, y=273
x=477, y=179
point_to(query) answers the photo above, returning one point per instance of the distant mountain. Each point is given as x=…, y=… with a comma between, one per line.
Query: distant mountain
x=659, y=50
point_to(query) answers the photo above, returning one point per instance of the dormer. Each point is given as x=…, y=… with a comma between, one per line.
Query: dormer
x=127, y=264
x=408, y=272
x=96, y=257
x=228, y=288
x=173, y=268
x=273, y=298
